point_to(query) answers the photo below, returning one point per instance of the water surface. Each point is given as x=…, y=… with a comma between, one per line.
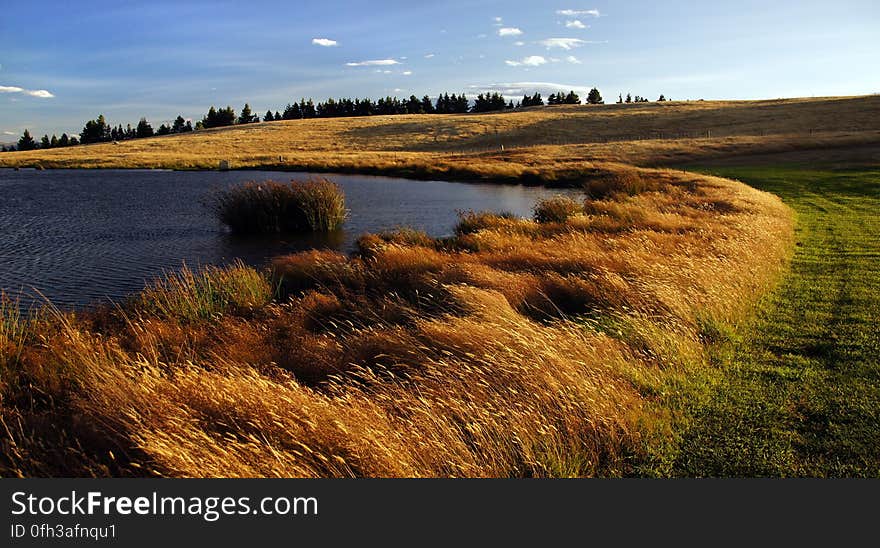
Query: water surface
x=84, y=236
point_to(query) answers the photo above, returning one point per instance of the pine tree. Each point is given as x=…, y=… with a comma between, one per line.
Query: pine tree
x=629, y=98
x=64, y=141
x=144, y=129
x=246, y=117
x=95, y=131
x=269, y=117
x=662, y=98
x=54, y=142
x=26, y=142
x=178, y=125
x=163, y=130
x=277, y=116
x=44, y=142
x=594, y=97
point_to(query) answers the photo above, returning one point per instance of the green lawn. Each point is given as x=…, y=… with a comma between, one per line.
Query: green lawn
x=798, y=390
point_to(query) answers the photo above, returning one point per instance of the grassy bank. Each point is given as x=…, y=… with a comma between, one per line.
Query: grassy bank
x=518, y=347
x=797, y=392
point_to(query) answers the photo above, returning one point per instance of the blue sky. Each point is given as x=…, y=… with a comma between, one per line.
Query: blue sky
x=62, y=63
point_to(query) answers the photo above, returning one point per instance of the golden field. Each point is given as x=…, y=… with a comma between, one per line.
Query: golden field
x=539, y=143
x=514, y=348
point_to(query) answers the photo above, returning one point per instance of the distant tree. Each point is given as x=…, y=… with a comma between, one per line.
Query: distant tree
x=277, y=116
x=574, y=99
x=427, y=105
x=74, y=141
x=307, y=108
x=144, y=129
x=414, y=105
x=64, y=141
x=163, y=130
x=269, y=117
x=629, y=98
x=218, y=118
x=54, y=142
x=247, y=117
x=95, y=131
x=620, y=99
x=26, y=142
x=44, y=142
x=292, y=112
x=594, y=97
x=188, y=127
x=662, y=98
x=179, y=125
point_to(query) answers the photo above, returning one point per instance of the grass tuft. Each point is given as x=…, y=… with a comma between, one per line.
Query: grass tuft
x=557, y=209
x=316, y=205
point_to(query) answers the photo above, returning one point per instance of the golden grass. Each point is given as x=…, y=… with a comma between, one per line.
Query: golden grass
x=515, y=348
x=550, y=144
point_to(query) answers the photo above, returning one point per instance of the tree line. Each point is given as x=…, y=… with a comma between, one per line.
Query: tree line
x=99, y=131
x=638, y=99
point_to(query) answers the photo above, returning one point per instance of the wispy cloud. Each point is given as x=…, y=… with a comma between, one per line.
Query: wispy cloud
x=519, y=43
x=40, y=93
x=509, y=31
x=373, y=63
x=521, y=88
x=577, y=13
x=324, y=42
x=530, y=61
x=575, y=24
x=498, y=21
x=407, y=72
x=565, y=43
x=573, y=60
x=429, y=56
x=9, y=133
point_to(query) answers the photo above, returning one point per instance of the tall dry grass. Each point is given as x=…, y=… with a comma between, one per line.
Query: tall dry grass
x=314, y=205
x=515, y=348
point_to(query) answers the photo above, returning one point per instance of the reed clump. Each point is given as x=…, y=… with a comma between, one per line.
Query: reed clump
x=557, y=209
x=270, y=207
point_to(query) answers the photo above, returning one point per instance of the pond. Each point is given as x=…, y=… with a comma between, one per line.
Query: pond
x=79, y=237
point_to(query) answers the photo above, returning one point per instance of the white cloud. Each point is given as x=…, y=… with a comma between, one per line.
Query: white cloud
x=429, y=56
x=407, y=72
x=40, y=93
x=498, y=22
x=573, y=60
x=521, y=88
x=530, y=61
x=575, y=13
x=563, y=43
x=509, y=31
x=9, y=133
x=324, y=42
x=374, y=63
x=519, y=43
x=576, y=24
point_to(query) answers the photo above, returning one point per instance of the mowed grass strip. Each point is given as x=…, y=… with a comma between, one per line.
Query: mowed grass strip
x=799, y=393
